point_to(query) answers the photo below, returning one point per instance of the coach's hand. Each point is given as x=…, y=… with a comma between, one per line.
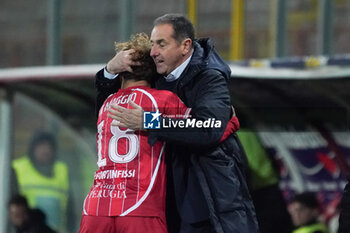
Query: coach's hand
x=127, y=118
x=121, y=62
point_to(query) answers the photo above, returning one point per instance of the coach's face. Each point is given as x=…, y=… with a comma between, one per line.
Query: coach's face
x=166, y=52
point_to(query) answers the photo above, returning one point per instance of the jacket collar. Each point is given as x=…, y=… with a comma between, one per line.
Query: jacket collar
x=204, y=56
x=196, y=64
x=175, y=74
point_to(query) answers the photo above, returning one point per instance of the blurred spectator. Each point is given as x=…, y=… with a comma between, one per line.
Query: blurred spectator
x=43, y=180
x=24, y=219
x=270, y=206
x=305, y=211
x=333, y=223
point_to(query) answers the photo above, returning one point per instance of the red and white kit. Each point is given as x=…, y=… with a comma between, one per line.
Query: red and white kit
x=131, y=178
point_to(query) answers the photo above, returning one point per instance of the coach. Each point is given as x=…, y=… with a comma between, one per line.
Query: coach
x=206, y=176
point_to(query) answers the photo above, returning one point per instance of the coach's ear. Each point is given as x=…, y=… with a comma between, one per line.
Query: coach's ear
x=186, y=46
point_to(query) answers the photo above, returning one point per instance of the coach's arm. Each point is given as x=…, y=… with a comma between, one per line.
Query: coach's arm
x=208, y=96
x=121, y=62
x=210, y=101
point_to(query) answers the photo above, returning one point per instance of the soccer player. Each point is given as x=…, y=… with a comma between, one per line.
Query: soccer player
x=128, y=194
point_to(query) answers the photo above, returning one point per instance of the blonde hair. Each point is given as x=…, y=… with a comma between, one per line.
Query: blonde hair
x=140, y=42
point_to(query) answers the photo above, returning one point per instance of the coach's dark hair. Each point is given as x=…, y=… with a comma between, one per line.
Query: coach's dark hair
x=183, y=28
x=147, y=70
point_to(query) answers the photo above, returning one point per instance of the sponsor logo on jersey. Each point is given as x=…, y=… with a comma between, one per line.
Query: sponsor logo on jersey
x=113, y=174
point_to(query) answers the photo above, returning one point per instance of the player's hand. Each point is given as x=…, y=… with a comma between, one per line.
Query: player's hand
x=126, y=118
x=121, y=62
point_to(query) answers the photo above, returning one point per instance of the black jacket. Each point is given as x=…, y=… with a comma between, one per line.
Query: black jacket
x=208, y=180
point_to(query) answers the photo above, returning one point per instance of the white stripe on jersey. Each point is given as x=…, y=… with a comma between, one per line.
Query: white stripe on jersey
x=84, y=210
x=126, y=183
x=145, y=195
x=149, y=187
x=139, y=157
x=98, y=205
x=150, y=96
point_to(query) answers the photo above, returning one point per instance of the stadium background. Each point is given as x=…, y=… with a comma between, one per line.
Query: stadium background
x=291, y=70
x=89, y=28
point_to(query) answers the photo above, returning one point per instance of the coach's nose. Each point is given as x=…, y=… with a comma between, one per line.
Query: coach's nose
x=154, y=51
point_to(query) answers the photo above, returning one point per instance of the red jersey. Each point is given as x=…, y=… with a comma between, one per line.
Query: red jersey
x=131, y=176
